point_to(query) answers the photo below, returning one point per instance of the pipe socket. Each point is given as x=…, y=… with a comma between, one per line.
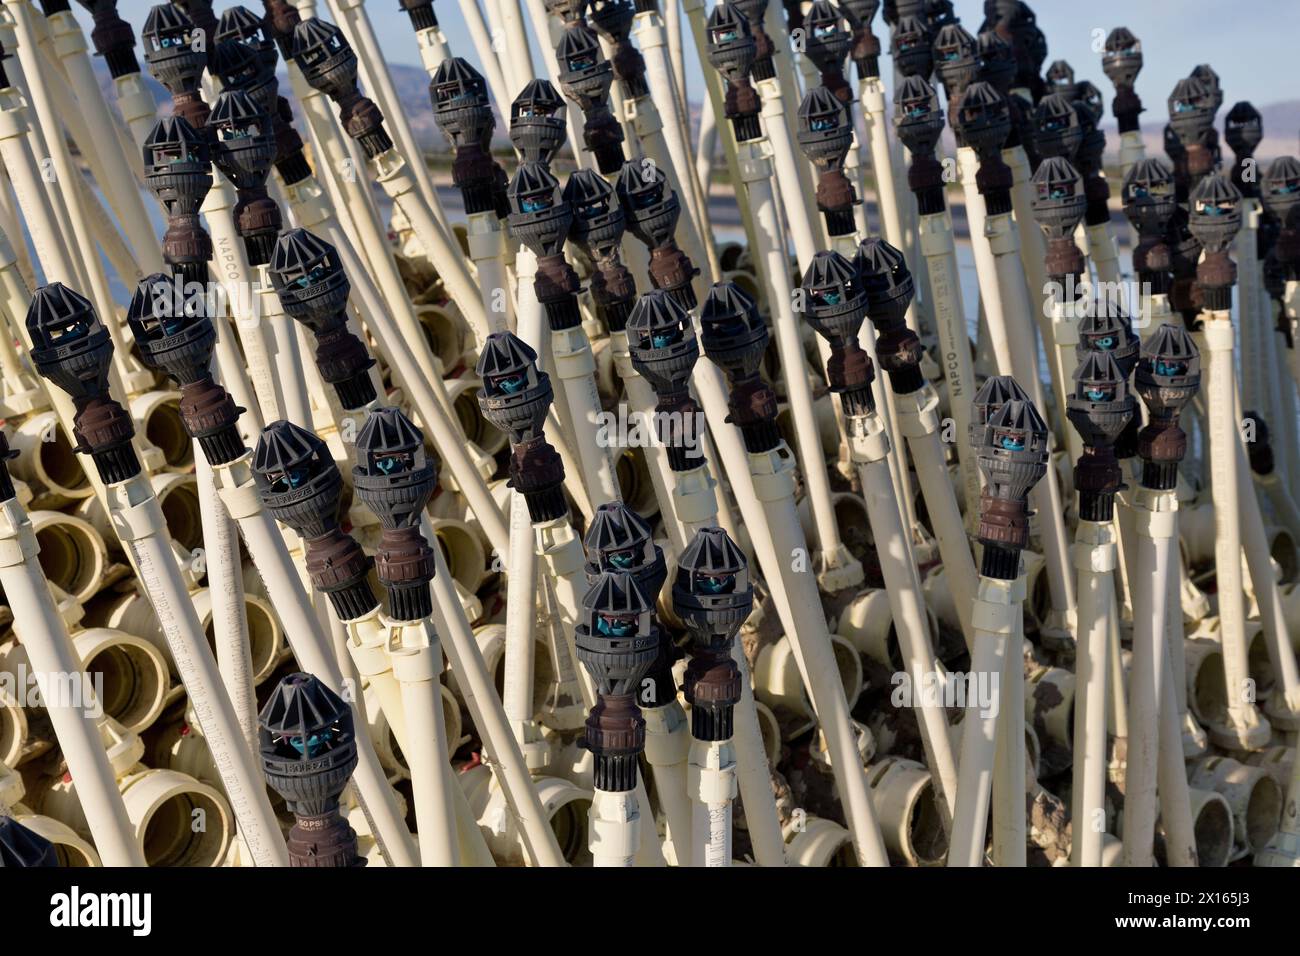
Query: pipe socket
x=47, y=462
x=567, y=809
x=69, y=848
x=463, y=394
x=633, y=477
x=444, y=331
x=1253, y=795
x=158, y=415
x=129, y=674
x=1212, y=827
x=816, y=841
x=73, y=556
x=463, y=550
x=910, y=818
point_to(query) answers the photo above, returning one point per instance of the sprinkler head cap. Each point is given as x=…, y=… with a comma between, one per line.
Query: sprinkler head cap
x=460, y=103
x=835, y=303
x=825, y=131
x=70, y=346
x=393, y=476
x=1100, y=407
x=516, y=394
x=308, y=278
x=170, y=39
x=996, y=61
x=307, y=743
x=598, y=221
x=172, y=334
x=712, y=593
x=886, y=282
x=1012, y=453
x=650, y=206
x=827, y=36
x=22, y=847
x=539, y=216
x=731, y=42
x=537, y=122
x=619, y=540
x=177, y=165
x=918, y=119
x=241, y=23
x=1059, y=200
x=243, y=139
x=983, y=118
x=1057, y=129
x=1243, y=129
x=1280, y=191
x=1191, y=111
x=911, y=44
x=661, y=339
x=327, y=60
x=955, y=63
x=1149, y=197
x=996, y=391
x=585, y=74
x=732, y=333
x=297, y=479
x=1122, y=58
x=1169, y=371
x=1214, y=213
x=615, y=641
x=1107, y=328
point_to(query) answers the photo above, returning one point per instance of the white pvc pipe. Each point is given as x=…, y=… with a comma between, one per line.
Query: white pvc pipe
x=226, y=588
x=996, y=608
x=45, y=638
x=1244, y=727
x=902, y=581
x=1157, y=516
x=1094, y=560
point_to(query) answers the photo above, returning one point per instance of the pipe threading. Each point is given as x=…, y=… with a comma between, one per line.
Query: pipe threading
x=537, y=473
x=615, y=735
x=1215, y=276
x=712, y=688
x=557, y=287
x=113, y=39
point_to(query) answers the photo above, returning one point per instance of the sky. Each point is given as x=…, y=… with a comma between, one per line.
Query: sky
x=1250, y=43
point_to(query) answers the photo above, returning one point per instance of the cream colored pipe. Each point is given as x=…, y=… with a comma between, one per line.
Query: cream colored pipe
x=1033, y=249
x=575, y=373
x=131, y=673
x=1094, y=560
x=994, y=615
x=140, y=526
x=502, y=83
x=1256, y=333
x=871, y=93
x=230, y=267
x=797, y=601
x=833, y=559
x=1157, y=521
x=417, y=662
x=1244, y=727
x=919, y=421
x=45, y=638
x=1010, y=833
x=940, y=254
x=712, y=777
x=226, y=588
x=102, y=149
x=870, y=450
x=1064, y=316
x=1103, y=251
x=521, y=638
x=489, y=717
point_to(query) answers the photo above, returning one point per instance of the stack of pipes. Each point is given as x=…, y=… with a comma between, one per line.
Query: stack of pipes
x=559, y=532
